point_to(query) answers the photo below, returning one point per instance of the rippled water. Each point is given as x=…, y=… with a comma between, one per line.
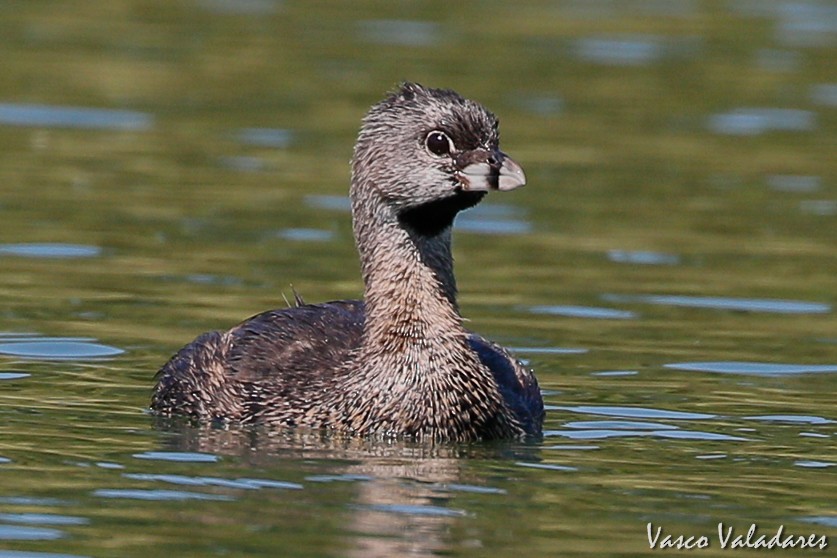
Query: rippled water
x=670, y=271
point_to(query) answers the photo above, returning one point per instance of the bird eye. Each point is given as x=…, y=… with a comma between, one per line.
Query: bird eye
x=438, y=143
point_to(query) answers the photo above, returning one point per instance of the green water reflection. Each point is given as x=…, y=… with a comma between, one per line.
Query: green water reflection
x=675, y=151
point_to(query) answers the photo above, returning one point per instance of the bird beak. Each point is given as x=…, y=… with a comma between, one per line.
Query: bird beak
x=483, y=170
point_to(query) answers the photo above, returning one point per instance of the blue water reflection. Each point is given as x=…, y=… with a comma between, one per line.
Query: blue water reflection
x=333, y=203
x=47, y=348
x=824, y=94
x=546, y=466
x=794, y=419
x=828, y=520
x=306, y=235
x=246, y=7
x=43, y=519
x=628, y=50
x=495, y=218
x=806, y=24
x=615, y=373
x=158, y=495
x=811, y=464
x=602, y=429
x=777, y=60
x=418, y=510
x=756, y=121
x=798, y=24
x=549, y=350
x=242, y=483
x=539, y=104
x=50, y=250
x=618, y=425
x=584, y=312
x=244, y=163
x=821, y=208
x=27, y=554
x=347, y=477
x=13, y=375
x=777, y=306
x=635, y=412
x=670, y=433
x=470, y=489
x=178, y=456
x=21, y=533
x=265, y=137
x=753, y=368
x=673, y=434
x=48, y=116
x=794, y=183
x=642, y=257
x=603, y=9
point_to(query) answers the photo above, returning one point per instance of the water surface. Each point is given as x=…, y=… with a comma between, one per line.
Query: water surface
x=669, y=270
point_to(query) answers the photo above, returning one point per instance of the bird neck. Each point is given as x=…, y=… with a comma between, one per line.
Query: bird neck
x=415, y=369
x=409, y=286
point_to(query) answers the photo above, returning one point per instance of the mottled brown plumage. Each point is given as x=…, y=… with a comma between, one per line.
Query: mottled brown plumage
x=399, y=363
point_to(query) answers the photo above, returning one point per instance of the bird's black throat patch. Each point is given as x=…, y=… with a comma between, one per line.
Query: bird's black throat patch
x=431, y=218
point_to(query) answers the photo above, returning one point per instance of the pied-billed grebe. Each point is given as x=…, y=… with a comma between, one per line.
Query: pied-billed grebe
x=398, y=363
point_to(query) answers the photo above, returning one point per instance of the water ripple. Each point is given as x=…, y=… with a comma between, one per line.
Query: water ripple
x=242, y=483
x=698, y=435
x=493, y=219
x=48, y=116
x=809, y=464
x=248, y=7
x=407, y=509
x=618, y=425
x=158, y=495
x=756, y=121
x=13, y=375
x=178, y=456
x=540, y=105
x=828, y=520
x=635, y=412
x=333, y=203
x=546, y=466
x=825, y=94
x=794, y=183
x=306, y=235
x=347, y=477
x=798, y=419
x=753, y=368
x=48, y=348
x=642, y=257
x=471, y=489
x=265, y=137
x=549, y=350
x=43, y=519
x=806, y=24
x=20, y=533
x=776, y=306
x=584, y=312
x=628, y=50
x=711, y=456
x=677, y=434
x=475, y=224
x=822, y=208
x=614, y=373
x=50, y=250
x=243, y=163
